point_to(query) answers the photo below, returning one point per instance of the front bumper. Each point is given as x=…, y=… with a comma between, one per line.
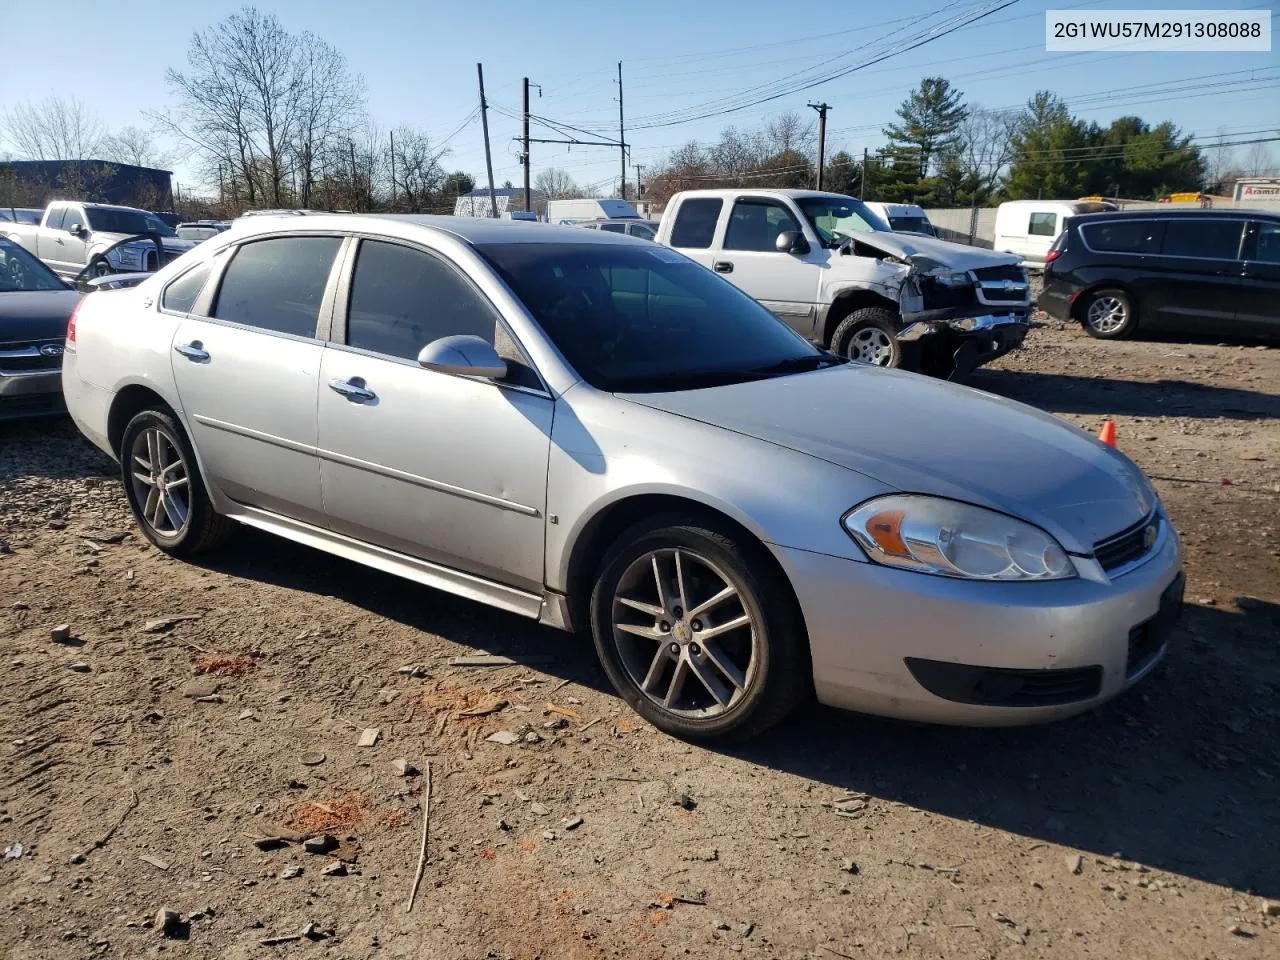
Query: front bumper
x=866, y=621
x=969, y=341
x=29, y=392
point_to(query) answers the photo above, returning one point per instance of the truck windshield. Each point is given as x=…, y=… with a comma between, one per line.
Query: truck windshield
x=20, y=272
x=126, y=221
x=834, y=218
x=648, y=319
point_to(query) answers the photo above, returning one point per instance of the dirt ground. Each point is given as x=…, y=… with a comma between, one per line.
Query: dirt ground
x=143, y=759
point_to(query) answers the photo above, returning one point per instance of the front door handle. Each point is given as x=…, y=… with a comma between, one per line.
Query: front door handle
x=353, y=389
x=193, y=351
x=722, y=266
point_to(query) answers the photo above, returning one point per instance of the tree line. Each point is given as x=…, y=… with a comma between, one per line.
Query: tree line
x=944, y=152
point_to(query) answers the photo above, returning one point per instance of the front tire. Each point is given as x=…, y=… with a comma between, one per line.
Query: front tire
x=869, y=335
x=696, y=631
x=1109, y=314
x=164, y=488
x=100, y=268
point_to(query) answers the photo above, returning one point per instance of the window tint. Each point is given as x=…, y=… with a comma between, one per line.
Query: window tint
x=1268, y=243
x=642, y=230
x=1121, y=236
x=73, y=217
x=55, y=218
x=402, y=299
x=180, y=295
x=1212, y=239
x=695, y=224
x=1043, y=225
x=613, y=227
x=755, y=225
x=277, y=284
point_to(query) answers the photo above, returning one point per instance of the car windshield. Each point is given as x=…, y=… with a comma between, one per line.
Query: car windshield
x=912, y=225
x=648, y=319
x=20, y=272
x=834, y=218
x=127, y=221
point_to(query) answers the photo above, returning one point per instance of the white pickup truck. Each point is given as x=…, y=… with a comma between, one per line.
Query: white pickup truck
x=834, y=271
x=72, y=236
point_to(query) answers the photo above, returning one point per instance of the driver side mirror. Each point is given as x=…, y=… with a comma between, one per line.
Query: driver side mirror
x=791, y=241
x=76, y=229
x=464, y=355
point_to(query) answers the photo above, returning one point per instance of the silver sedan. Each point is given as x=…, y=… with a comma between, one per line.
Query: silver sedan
x=597, y=433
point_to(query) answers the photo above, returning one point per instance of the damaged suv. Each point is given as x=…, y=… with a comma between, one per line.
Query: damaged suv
x=832, y=269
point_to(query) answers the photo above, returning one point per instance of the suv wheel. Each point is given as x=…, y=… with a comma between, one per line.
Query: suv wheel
x=869, y=335
x=1109, y=315
x=163, y=486
x=695, y=631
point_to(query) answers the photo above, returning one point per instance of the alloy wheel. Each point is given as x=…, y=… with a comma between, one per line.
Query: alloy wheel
x=161, y=482
x=1107, y=314
x=684, y=634
x=871, y=345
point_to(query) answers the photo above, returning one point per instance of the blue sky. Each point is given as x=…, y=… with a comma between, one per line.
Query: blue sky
x=418, y=61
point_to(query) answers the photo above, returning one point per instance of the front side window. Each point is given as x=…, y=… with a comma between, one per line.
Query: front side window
x=613, y=227
x=640, y=319
x=1043, y=225
x=277, y=284
x=55, y=220
x=695, y=225
x=402, y=299
x=1202, y=239
x=755, y=225
x=835, y=218
x=73, y=216
x=1268, y=250
x=1121, y=236
x=180, y=295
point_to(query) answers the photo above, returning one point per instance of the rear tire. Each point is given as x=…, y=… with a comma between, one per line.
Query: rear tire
x=164, y=488
x=1109, y=314
x=869, y=335
x=696, y=631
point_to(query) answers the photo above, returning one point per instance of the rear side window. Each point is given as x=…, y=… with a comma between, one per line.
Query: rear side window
x=695, y=225
x=180, y=296
x=1204, y=239
x=1121, y=236
x=1043, y=225
x=277, y=284
x=55, y=218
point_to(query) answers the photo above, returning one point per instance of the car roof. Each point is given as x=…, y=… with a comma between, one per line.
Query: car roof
x=1175, y=213
x=473, y=230
x=763, y=192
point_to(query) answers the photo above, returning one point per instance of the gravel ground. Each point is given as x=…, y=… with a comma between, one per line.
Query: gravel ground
x=148, y=760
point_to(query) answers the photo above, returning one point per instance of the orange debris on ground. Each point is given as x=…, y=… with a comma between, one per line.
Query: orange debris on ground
x=224, y=665
x=342, y=814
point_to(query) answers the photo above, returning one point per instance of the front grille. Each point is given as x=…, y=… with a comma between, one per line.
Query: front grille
x=1009, y=272
x=1127, y=545
x=25, y=356
x=1005, y=687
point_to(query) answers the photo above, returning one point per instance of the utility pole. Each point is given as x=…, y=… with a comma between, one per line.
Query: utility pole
x=639, y=183
x=488, y=157
x=622, y=136
x=822, y=109
x=392, y=134
x=524, y=158
x=355, y=178
x=862, y=181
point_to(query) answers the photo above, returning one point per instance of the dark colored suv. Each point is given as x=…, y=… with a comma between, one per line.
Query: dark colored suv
x=1187, y=271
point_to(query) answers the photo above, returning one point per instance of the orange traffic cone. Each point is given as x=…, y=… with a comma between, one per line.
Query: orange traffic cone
x=1108, y=433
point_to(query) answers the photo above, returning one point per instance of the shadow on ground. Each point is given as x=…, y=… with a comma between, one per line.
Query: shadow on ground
x=1181, y=774
x=1063, y=393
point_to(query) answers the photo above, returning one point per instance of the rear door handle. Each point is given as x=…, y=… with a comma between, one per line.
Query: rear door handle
x=723, y=266
x=353, y=389
x=193, y=351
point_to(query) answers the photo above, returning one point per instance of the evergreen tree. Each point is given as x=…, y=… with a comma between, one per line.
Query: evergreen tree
x=931, y=118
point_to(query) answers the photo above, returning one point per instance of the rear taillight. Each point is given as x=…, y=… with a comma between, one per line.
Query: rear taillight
x=71, y=327
x=1052, y=255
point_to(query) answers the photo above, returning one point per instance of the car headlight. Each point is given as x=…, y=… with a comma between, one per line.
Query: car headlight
x=952, y=539
x=955, y=278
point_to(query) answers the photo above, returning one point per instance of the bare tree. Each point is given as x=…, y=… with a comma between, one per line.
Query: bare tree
x=53, y=129
x=1258, y=161
x=986, y=147
x=556, y=184
x=414, y=168
x=328, y=102
x=135, y=146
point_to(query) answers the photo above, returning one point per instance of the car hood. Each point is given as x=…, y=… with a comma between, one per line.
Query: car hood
x=921, y=435
x=957, y=256
x=35, y=315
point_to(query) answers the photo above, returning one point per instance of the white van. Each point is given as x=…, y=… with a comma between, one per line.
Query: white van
x=1028, y=228
x=904, y=217
x=575, y=211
